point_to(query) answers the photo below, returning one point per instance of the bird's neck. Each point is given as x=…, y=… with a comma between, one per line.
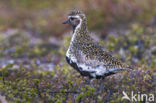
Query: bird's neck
x=80, y=33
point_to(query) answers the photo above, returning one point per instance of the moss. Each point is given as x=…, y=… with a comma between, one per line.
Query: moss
x=23, y=81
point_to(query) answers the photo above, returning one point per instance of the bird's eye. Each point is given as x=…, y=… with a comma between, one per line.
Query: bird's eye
x=71, y=18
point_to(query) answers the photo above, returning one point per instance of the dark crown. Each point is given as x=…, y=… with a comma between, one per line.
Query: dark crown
x=75, y=12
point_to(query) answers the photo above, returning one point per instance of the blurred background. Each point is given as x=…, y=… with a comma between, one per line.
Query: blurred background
x=33, y=43
x=44, y=17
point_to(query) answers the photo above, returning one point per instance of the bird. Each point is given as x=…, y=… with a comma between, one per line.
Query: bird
x=87, y=56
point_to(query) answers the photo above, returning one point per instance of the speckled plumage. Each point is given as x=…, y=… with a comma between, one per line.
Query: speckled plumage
x=88, y=57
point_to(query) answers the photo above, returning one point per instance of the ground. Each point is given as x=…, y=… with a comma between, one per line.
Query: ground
x=33, y=45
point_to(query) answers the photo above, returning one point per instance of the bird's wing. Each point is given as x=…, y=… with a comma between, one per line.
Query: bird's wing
x=93, y=55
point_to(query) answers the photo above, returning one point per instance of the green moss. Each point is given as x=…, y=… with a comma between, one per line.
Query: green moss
x=24, y=81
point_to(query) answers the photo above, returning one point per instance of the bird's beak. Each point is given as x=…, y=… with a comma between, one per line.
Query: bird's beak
x=66, y=21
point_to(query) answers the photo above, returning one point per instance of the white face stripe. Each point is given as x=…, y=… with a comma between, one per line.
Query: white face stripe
x=72, y=40
x=78, y=17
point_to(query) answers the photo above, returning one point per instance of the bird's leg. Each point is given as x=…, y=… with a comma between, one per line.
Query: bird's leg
x=87, y=81
x=110, y=93
x=101, y=86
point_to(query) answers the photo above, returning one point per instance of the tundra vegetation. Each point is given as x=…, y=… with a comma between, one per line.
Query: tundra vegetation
x=33, y=43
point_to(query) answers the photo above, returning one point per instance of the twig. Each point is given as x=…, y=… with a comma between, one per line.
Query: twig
x=67, y=92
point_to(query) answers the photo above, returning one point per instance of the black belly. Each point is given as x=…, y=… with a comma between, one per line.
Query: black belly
x=85, y=73
x=75, y=66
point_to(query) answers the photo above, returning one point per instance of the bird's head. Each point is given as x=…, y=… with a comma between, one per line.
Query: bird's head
x=75, y=17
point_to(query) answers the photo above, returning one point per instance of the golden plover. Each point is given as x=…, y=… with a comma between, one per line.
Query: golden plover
x=86, y=56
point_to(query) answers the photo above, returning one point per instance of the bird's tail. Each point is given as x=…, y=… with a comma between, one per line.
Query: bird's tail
x=130, y=67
